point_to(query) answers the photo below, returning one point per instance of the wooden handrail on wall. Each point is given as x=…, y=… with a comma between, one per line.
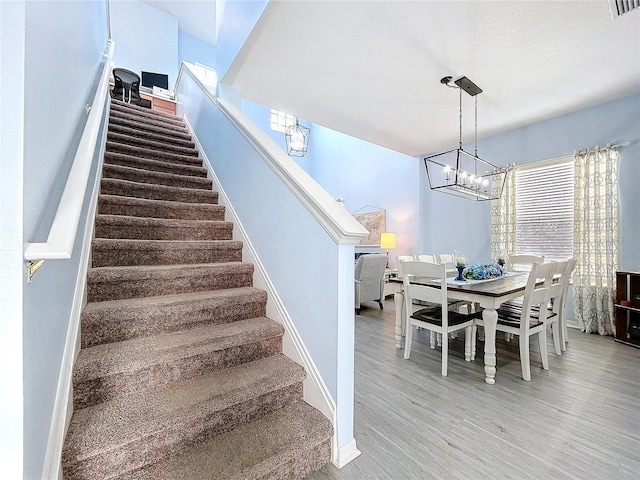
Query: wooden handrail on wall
x=62, y=235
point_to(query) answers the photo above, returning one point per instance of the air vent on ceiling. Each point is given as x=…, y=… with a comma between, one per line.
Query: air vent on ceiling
x=620, y=7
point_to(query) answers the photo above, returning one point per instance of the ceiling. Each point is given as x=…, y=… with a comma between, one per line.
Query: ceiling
x=372, y=69
x=195, y=17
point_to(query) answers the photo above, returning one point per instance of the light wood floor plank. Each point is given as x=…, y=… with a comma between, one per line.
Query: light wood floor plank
x=578, y=421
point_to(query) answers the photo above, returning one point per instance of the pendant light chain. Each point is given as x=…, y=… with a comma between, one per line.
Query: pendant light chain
x=460, y=93
x=476, y=126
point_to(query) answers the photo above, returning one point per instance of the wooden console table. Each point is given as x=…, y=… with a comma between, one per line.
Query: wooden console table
x=160, y=104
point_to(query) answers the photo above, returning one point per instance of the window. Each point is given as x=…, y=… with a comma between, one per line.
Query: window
x=544, y=209
x=280, y=120
x=206, y=75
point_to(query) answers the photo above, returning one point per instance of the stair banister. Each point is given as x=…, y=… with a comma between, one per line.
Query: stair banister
x=61, y=238
x=338, y=222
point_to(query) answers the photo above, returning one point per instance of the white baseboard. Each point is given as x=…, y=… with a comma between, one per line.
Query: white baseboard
x=63, y=405
x=346, y=453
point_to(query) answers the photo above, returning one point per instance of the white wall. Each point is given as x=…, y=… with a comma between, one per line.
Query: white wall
x=235, y=21
x=63, y=41
x=12, y=30
x=146, y=38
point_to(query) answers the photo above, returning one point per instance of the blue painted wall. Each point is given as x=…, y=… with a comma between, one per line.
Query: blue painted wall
x=287, y=238
x=192, y=50
x=146, y=38
x=364, y=174
x=361, y=174
x=59, y=37
x=467, y=224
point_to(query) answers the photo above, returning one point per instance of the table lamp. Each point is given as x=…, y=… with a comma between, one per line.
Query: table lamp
x=387, y=241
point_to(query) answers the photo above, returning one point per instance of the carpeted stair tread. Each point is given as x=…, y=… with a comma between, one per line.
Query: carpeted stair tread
x=114, y=283
x=289, y=443
x=117, y=320
x=150, y=144
x=129, y=131
x=161, y=155
x=108, y=252
x=114, y=186
x=156, y=178
x=149, y=124
x=134, y=430
x=180, y=372
x=125, y=227
x=119, y=105
x=133, y=123
x=167, y=122
x=120, y=368
x=124, y=160
x=142, y=207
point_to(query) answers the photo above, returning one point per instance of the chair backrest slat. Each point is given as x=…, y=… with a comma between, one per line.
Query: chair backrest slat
x=514, y=260
x=435, y=294
x=426, y=257
x=536, y=293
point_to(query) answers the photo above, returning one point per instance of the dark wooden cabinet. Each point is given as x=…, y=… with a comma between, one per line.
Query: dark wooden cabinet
x=627, y=308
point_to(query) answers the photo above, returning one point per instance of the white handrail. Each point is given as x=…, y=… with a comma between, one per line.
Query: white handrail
x=59, y=244
x=337, y=222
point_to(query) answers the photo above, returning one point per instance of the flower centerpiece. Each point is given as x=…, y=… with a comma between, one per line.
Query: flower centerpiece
x=483, y=272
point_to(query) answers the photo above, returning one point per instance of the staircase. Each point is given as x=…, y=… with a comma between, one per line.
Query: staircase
x=180, y=373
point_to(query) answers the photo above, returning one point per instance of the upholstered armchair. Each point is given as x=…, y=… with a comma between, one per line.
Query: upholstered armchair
x=369, y=279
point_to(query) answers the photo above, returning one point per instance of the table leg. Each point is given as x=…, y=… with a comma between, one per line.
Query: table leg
x=490, y=320
x=398, y=299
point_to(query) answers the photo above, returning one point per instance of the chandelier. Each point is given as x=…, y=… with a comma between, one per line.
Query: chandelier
x=458, y=172
x=297, y=140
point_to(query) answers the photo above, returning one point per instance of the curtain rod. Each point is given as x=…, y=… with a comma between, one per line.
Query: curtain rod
x=540, y=163
x=597, y=147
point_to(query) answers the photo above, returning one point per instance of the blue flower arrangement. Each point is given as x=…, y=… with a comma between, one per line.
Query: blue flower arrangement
x=483, y=272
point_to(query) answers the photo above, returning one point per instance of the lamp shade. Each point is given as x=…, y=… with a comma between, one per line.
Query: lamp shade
x=388, y=240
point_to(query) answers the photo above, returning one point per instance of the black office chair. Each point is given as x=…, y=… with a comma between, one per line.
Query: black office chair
x=127, y=88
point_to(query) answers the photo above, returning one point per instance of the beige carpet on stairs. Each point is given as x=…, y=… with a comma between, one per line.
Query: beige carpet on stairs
x=181, y=374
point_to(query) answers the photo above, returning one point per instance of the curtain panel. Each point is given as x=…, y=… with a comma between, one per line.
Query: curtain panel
x=595, y=240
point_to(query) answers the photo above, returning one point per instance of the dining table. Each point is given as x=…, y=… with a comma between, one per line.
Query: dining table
x=489, y=294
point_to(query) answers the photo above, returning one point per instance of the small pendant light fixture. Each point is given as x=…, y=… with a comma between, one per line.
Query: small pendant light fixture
x=458, y=172
x=297, y=140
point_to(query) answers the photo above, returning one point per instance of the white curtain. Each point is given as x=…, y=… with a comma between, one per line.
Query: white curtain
x=595, y=239
x=503, y=217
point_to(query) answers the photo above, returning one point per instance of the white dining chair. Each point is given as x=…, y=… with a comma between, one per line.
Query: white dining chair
x=530, y=318
x=426, y=257
x=519, y=263
x=449, y=261
x=556, y=316
x=437, y=316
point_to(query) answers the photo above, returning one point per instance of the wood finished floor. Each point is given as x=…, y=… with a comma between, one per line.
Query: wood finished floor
x=578, y=420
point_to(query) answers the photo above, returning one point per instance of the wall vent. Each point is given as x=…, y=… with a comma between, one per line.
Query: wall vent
x=620, y=7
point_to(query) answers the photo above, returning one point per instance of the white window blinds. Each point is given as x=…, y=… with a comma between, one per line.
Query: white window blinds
x=544, y=209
